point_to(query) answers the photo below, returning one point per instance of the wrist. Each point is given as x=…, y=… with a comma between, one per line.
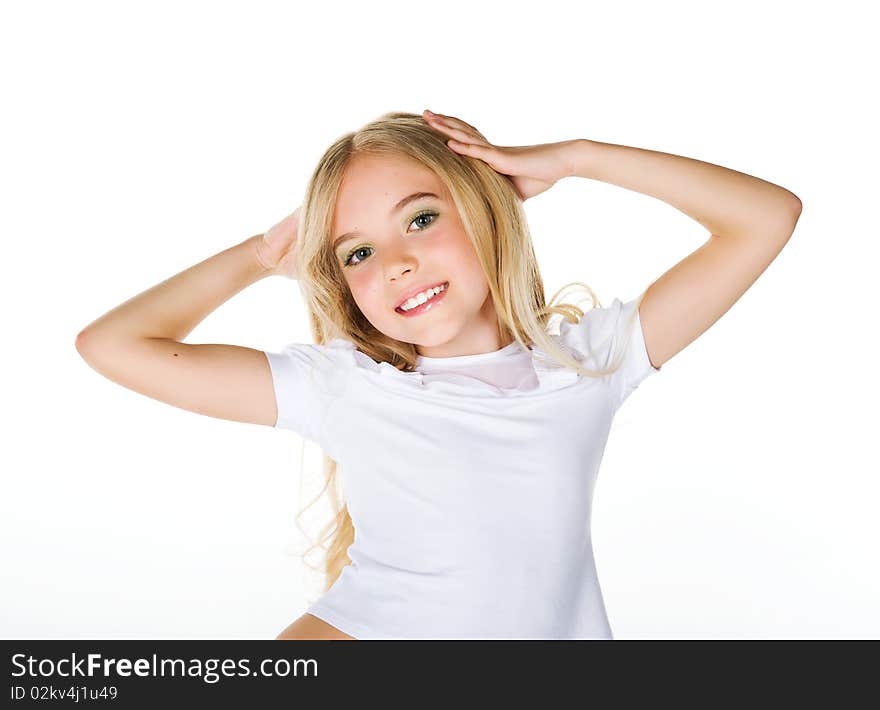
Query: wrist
x=253, y=246
x=568, y=157
x=582, y=156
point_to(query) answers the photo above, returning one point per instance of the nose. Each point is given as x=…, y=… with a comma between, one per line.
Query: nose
x=399, y=262
x=397, y=273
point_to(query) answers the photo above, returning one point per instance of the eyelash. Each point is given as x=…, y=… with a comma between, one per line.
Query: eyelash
x=424, y=213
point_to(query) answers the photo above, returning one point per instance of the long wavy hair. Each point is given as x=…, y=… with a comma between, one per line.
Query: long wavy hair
x=492, y=215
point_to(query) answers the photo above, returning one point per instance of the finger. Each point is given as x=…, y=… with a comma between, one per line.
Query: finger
x=462, y=135
x=455, y=123
x=452, y=121
x=465, y=128
x=472, y=149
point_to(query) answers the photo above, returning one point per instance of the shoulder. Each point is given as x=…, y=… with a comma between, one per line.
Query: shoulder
x=600, y=328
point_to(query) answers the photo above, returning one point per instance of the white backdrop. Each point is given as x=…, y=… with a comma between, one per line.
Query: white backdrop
x=739, y=489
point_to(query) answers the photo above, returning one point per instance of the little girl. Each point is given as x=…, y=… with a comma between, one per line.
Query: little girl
x=467, y=434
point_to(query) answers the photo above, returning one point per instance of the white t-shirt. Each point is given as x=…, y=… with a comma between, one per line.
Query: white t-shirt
x=469, y=481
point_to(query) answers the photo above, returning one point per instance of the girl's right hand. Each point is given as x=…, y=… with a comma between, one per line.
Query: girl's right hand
x=276, y=248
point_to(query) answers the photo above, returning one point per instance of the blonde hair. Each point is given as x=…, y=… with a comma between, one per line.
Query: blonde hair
x=493, y=218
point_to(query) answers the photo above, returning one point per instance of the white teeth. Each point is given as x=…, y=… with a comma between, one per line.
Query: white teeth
x=420, y=298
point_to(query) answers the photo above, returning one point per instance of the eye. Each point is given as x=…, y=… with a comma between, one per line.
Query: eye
x=421, y=215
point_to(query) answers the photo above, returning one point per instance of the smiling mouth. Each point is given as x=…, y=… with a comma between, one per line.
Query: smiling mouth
x=422, y=307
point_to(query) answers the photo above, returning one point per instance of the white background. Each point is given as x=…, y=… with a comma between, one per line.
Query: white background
x=738, y=495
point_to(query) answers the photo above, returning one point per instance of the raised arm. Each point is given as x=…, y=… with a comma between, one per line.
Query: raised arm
x=139, y=344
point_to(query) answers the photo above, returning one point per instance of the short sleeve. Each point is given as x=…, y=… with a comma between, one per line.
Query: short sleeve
x=306, y=378
x=613, y=336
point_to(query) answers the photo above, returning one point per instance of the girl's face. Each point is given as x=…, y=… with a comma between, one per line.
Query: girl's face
x=402, y=246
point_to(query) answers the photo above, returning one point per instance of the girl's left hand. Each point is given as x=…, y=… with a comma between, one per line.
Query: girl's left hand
x=532, y=168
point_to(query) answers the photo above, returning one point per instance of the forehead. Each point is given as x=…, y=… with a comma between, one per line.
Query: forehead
x=372, y=185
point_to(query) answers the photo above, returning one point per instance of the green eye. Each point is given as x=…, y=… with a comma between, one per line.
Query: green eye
x=420, y=215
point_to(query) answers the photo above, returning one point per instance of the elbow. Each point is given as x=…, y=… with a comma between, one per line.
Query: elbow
x=789, y=215
x=81, y=341
x=795, y=206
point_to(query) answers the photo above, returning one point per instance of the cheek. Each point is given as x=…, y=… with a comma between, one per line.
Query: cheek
x=451, y=255
x=357, y=281
x=461, y=263
x=367, y=293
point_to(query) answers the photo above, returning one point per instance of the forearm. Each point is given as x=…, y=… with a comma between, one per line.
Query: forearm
x=724, y=201
x=173, y=308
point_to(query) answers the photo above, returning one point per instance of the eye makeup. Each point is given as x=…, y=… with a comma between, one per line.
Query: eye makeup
x=421, y=214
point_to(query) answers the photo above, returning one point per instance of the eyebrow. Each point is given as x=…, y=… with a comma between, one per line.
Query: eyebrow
x=399, y=206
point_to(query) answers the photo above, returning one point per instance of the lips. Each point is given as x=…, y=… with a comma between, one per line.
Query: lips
x=418, y=290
